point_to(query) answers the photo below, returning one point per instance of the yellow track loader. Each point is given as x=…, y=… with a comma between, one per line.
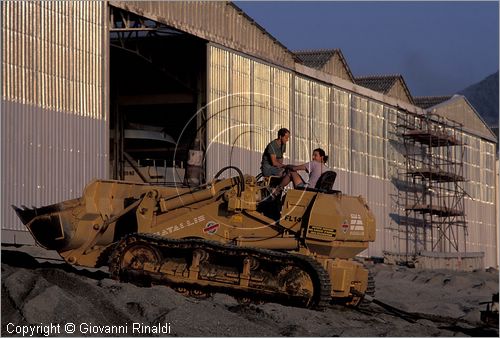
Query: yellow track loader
x=230, y=235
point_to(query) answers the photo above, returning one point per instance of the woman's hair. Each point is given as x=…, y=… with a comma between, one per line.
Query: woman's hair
x=321, y=153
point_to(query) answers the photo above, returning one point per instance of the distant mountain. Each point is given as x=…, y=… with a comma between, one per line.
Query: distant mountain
x=484, y=98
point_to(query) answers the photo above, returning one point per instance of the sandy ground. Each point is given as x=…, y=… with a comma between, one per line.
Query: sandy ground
x=37, y=293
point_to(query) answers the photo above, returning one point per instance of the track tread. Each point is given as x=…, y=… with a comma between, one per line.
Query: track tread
x=321, y=297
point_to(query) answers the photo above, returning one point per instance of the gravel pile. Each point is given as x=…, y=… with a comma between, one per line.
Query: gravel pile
x=52, y=297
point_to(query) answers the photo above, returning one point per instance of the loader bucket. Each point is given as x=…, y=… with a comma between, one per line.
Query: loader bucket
x=50, y=226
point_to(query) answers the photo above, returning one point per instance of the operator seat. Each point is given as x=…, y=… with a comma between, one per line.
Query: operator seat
x=326, y=181
x=324, y=184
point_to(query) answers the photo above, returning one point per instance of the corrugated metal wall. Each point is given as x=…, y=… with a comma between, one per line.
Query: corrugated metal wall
x=482, y=231
x=54, y=120
x=480, y=204
x=358, y=133
x=217, y=21
x=248, y=102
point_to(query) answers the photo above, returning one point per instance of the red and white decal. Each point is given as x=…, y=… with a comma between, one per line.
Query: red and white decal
x=211, y=228
x=345, y=226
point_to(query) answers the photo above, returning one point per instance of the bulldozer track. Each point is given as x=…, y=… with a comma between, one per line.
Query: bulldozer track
x=370, y=291
x=152, y=271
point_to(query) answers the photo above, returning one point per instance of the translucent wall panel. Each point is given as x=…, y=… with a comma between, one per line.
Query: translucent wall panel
x=376, y=140
x=482, y=230
x=249, y=103
x=310, y=121
x=301, y=131
x=280, y=102
x=487, y=175
x=340, y=142
x=52, y=52
x=359, y=107
x=472, y=167
x=239, y=109
x=260, y=131
x=218, y=105
x=320, y=118
x=394, y=146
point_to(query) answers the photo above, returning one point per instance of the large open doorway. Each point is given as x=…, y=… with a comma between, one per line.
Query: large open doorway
x=157, y=86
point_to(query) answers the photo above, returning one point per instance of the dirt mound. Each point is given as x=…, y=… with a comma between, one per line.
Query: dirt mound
x=38, y=294
x=445, y=293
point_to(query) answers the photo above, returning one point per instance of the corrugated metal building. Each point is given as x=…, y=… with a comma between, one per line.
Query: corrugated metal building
x=76, y=75
x=55, y=115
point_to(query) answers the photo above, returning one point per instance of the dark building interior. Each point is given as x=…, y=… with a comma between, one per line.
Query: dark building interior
x=157, y=86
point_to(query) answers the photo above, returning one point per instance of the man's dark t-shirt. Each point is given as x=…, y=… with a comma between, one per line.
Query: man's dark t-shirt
x=267, y=165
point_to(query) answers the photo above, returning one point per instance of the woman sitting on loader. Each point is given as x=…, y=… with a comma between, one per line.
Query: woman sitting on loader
x=314, y=168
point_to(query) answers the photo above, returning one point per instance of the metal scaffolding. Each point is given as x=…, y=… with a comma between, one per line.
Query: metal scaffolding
x=431, y=198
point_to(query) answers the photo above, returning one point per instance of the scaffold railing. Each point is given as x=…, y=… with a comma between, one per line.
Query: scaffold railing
x=431, y=206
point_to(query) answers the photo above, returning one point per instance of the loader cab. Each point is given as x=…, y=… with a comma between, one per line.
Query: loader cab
x=272, y=207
